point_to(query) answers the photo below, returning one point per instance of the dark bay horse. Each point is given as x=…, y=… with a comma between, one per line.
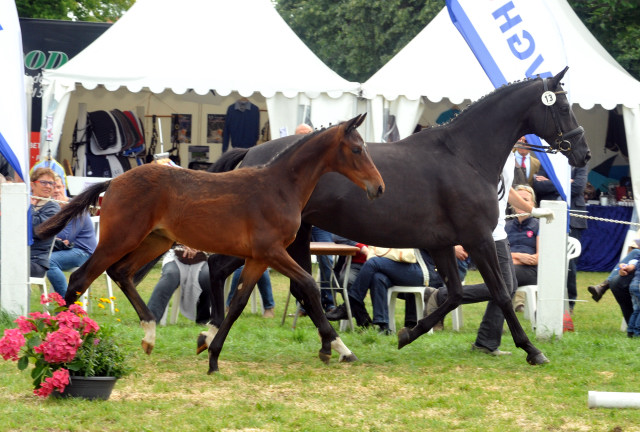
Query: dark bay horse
x=441, y=191
x=252, y=213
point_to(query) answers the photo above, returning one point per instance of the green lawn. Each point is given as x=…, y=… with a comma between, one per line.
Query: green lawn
x=271, y=379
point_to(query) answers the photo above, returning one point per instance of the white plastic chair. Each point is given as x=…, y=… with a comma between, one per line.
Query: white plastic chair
x=417, y=291
x=574, y=249
x=41, y=281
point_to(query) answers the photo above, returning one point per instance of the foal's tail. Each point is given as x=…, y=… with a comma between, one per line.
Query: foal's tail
x=73, y=209
x=228, y=161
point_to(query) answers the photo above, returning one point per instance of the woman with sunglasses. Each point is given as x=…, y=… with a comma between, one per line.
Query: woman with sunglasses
x=42, y=184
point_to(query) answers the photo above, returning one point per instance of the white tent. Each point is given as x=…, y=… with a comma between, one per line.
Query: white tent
x=197, y=57
x=437, y=70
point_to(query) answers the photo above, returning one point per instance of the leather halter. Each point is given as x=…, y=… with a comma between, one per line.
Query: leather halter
x=561, y=142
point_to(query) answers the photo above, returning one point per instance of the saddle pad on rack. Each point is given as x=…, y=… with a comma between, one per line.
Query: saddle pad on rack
x=105, y=136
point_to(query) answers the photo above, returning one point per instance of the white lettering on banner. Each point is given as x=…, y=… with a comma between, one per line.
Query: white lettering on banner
x=511, y=20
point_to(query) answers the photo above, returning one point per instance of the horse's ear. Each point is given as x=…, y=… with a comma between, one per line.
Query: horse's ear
x=556, y=79
x=355, y=122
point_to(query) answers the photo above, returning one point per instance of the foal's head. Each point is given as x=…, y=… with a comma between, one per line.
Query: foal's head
x=353, y=159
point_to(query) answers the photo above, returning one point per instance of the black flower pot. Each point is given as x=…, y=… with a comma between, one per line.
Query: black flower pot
x=98, y=387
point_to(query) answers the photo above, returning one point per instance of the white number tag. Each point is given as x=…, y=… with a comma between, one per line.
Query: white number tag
x=548, y=98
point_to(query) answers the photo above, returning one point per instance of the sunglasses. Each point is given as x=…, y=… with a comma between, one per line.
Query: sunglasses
x=45, y=183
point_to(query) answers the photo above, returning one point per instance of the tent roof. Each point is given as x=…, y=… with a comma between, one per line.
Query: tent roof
x=438, y=63
x=220, y=45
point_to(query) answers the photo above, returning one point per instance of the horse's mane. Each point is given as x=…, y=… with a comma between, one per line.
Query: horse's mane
x=295, y=145
x=473, y=106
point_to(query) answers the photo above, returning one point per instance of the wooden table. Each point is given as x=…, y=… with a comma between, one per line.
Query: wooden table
x=330, y=248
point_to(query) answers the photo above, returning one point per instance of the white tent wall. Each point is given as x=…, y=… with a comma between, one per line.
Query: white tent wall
x=163, y=104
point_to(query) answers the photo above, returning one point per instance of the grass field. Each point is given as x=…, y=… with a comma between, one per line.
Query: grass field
x=271, y=379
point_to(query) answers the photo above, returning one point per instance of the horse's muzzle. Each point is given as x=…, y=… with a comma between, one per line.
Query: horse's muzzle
x=375, y=192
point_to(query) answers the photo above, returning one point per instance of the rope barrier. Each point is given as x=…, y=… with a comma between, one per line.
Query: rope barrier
x=584, y=216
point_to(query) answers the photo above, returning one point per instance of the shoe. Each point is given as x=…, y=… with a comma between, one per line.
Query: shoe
x=430, y=300
x=268, y=313
x=519, y=308
x=597, y=291
x=484, y=350
x=337, y=314
x=630, y=334
x=383, y=329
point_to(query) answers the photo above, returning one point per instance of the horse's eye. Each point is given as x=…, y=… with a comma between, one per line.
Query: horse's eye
x=356, y=150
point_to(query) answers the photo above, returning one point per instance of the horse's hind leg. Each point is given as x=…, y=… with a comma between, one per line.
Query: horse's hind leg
x=123, y=271
x=220, y=267
x=306, y=291
x=486, y=260
x=251, y=272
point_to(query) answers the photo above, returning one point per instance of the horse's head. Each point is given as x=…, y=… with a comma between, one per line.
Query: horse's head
x=554, y=121
x=354, y=161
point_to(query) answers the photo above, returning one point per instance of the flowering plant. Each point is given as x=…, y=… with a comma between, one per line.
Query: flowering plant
x=62, y=344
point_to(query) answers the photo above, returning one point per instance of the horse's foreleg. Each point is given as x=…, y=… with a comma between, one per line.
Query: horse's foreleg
x=123, y=272
x=306, y=291
x=220, y=267
x=251, y=272
x=492, y=272
x=447, y=267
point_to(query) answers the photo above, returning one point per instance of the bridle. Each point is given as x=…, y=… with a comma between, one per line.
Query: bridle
x=561, y=143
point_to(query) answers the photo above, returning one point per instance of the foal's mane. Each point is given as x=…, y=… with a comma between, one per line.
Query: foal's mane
x=295, y=145
x=489, y=97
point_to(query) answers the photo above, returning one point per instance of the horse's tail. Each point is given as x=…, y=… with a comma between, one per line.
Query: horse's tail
x=73, y=209
x=228, y=161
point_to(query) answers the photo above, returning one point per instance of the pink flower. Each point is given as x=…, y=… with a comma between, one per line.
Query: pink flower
x=25, y=325
x=11, y=343
x=58, y=381
x=46, y=317
x=77, y=309
x=60, y=346
x=89, y=326
x=69, y=319
x=52, y=297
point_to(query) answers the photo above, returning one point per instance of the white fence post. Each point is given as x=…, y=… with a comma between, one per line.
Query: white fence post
x=552, y=271
x=14, y=282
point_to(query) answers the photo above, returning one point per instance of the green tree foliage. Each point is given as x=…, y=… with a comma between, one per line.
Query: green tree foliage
x=85, y=10
x=616, y=25
x=355, y=38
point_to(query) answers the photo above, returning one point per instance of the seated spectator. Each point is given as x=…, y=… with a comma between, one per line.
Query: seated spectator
x=357, y=261
x=522, y=233
x=633, y=327
x=381, y=271
x=619, y=285
x=42, y=183
x=74, y=244
x=264, y=285
x=185, y=267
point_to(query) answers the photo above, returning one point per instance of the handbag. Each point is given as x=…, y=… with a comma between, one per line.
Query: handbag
x=394, y=254
x=181, y=256
x=59, y=245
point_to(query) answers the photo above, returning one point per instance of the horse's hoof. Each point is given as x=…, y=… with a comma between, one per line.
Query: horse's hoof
x=349, y=358
x=403, y=337
x=202, y=344
x=537, y=359
x=147, y=347
x=326, y=358
x=212, y=370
